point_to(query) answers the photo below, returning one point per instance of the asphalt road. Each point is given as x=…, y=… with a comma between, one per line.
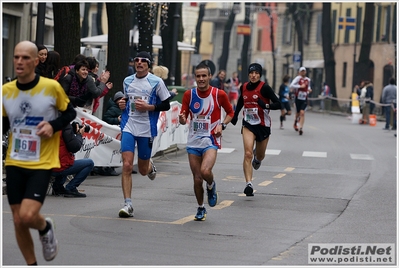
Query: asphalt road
x=334, y=184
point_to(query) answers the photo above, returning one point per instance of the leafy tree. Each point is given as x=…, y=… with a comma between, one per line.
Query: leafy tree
x=226, y=38
x=66, y=39
x=245, y=45
x=118, y=15
x=328, y=53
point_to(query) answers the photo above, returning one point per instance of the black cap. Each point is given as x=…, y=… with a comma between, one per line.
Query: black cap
x=131, y=59
x=255, y=67
x=146, y=55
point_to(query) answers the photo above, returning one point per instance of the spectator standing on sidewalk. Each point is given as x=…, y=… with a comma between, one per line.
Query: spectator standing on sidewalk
x=34, y=108
x=41, y=67
x=203, y=105
x=389, y=98
x=145, y=96
x=219, y=80
x=257, y=98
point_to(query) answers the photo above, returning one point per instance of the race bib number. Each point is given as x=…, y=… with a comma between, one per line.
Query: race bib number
x=133, y=99
x=251, y=116
x=25, y=144
x=302, y=95
x=201, y=126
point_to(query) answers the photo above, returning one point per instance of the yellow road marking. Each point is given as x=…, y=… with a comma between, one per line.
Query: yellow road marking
x=279, y=176
x=184, y=220
x=265, y=183
x=232, y=178
x=289, y=169
x=223, y=204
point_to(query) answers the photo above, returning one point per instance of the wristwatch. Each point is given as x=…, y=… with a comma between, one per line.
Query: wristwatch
x=224, y=126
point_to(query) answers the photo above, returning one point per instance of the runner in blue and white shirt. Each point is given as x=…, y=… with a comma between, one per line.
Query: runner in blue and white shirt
x=145, y=96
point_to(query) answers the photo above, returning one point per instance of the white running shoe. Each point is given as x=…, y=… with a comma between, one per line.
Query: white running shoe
x=50, y=244
x=126, y=211
x=153, y=173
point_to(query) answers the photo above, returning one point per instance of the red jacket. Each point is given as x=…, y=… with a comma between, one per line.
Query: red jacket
x=70, y=143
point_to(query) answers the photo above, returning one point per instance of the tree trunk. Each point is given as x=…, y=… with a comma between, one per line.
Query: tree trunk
x=328, y=53
x=298, y=29
x=66, y=39
x=167, y=42
x=363, y=66
x=98, y=18
x=245, y=45
x=269, y=13
x=85, y=21
x=226, y=39
x=201, y=14
x=143, y=11
x=118, y=15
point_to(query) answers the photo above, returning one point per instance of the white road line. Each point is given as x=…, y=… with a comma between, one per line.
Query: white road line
x=314, y=154
x=226, y=150
x=362, y=157
x=272, y=152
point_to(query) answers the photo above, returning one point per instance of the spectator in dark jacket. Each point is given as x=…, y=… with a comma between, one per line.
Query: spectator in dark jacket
x=218, y=81
x=93, y=70
x=113, y=114
x=80, y=88
x=41, y=67
x=71, y=141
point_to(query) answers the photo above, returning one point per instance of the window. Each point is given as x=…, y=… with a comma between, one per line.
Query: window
x=318, y=31
x=305, y=29
x=378, y=30
x=259, y=43
x=386, y=23
x=287, y=25
x=358, y=23
x=94, y=24
x=344, y=69
x=333, y=25
x=394, y=25
x=346, y=38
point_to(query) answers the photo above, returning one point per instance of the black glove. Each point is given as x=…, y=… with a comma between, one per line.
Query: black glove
x=234, y=120
x=262, y=104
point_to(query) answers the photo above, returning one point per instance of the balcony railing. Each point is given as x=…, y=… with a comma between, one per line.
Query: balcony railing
x=216, y=15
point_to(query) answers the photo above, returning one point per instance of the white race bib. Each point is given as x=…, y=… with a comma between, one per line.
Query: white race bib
x=25, y=144
x=201, y=126
x=251, y=116
x=302, y=95
x=133, y=102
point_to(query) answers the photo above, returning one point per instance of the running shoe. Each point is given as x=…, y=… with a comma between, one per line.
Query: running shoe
x=255, y=163
x=50, y=244
x=300, y=131
x=126, y=211
x=295, y=126
x=153, y=173
x=249, y=190
x=212, y=195
x=201, y=214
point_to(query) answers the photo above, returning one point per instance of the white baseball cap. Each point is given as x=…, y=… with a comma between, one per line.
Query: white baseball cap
x=302, y=69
